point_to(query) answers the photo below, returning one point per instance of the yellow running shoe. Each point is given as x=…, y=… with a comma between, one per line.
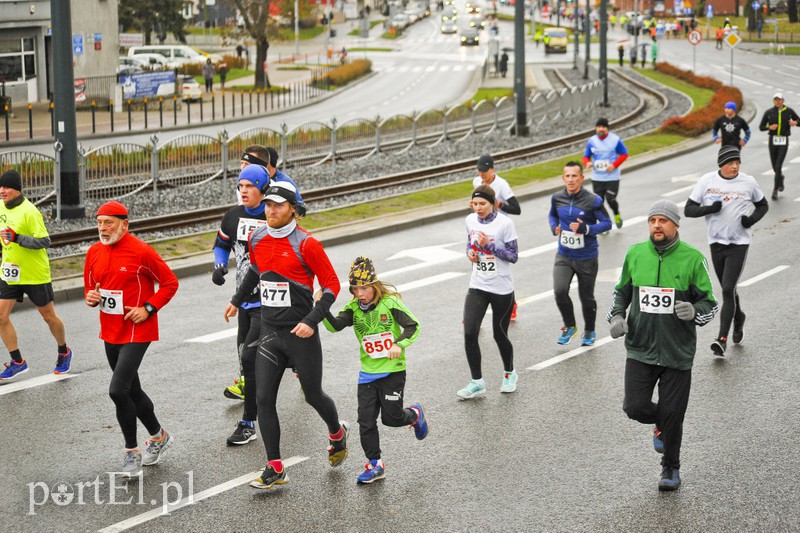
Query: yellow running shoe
x=235, y=391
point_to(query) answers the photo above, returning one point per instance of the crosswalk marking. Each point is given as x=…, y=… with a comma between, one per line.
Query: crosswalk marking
x=762, y=276
x=34, y=382
x=569, y=355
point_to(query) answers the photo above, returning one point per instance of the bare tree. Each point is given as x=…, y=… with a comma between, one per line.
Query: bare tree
x=258, y=25
x=792, y=5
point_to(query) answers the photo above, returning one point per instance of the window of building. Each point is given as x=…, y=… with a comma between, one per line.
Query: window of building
x=17, y=59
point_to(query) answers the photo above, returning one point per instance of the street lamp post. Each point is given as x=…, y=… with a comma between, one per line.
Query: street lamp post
x=520, y=96
x=603, y=50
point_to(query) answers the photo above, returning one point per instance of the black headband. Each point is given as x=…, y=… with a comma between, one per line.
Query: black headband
x=485, y=195
x=250, y=158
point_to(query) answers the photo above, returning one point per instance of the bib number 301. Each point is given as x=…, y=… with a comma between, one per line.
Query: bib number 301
x=275, y=294
x=377, y=345
x=570, y=239
x=657, y=300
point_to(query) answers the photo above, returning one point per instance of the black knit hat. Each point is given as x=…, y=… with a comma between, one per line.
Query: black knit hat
x=11, y=180
x=362, y=272
x=601, y=122
x=728, y=154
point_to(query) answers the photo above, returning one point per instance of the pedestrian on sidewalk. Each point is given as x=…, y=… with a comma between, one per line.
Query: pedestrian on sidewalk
x=208, y=74
x=504, y=64
x=223, y=73
x=385, y=328
x=621, y=52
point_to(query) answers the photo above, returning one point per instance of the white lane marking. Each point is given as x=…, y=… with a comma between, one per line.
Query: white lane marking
x=694, y=178
x=403, y=69
x=418, y=68
x=470, y=68
x=678, y=191
x=795, y=160
x=797, y=199
x=33, y=382
x=539, y=249
x=444, y=68
x=429, y=281
x=430, y=68
x=569, y=355
x=192, y=499
x=768, y=173
x=457, y=68
x=762, y=276
x=213, y=337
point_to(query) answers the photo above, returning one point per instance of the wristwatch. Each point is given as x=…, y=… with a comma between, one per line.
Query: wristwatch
x=150, y=308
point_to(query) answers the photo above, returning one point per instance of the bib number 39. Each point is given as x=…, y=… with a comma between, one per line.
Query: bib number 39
x=657, y=300
x=275, y=294
x=11, y=272
x=111, y=302
x=377, y=345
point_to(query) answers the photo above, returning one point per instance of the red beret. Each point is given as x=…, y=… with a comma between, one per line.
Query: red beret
x=113, y=209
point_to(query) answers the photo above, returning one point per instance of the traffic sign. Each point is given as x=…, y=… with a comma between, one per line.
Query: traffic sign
x=709, y=10
x=695, y=37
x=732, y=39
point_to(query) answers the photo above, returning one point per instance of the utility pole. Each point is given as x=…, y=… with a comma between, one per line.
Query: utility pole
x=587, y=26
x=603, y=51
x=577, y=36
x=64, y=111
x=636, y=26
x=296, y=28
x=520, y=94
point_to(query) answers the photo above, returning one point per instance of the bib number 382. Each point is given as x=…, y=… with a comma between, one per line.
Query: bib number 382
x=275, y=294
x=657, y=300
x=377, y=345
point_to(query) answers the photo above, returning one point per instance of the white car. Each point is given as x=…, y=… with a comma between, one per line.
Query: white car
x=190, y=89
x=153, y=61
x=400, y=20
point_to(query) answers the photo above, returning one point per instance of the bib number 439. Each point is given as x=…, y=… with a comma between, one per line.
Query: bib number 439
x=657, y=300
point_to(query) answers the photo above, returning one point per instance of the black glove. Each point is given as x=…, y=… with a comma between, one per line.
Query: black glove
x=716, y=207
x=218, y=277
x=582, y=228
x=746, y=221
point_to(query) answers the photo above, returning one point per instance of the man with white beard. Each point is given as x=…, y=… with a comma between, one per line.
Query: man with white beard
x=120, y=276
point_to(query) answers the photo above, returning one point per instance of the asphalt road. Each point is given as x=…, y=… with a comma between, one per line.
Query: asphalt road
x=558, y=455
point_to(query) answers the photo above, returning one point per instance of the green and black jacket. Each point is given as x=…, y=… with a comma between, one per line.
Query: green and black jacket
x=664, y=339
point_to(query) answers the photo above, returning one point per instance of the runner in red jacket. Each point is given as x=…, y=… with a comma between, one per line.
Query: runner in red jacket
x=119, y=277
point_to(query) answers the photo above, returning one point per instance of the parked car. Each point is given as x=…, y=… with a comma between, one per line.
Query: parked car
x=401, y=20
x=176, y=55
x=152, y=61
x=130, y=65
x=470, y=35
x=555, y=40
x=190, y=89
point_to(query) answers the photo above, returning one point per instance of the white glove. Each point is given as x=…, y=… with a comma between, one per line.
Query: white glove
x=619, y=326
x=684, y=310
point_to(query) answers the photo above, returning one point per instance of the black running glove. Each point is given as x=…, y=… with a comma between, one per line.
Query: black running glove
x=218, y=277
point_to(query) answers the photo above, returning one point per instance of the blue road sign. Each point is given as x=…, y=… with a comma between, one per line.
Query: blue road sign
x=77, y=44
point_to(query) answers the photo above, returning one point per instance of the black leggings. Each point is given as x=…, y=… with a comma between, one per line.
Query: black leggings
x=247, y=339
x=608, y=191
x=126, y=391
x=383, y=396
x=475, y=306
x=563, y=272
x=280, y=349
x=728, y=260
x=668, y=413
x=777, y=154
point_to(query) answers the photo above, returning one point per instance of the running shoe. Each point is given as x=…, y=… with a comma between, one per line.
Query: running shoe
x=567, y=334
x=658, y=441
x=738, y=329
x=588, y=338
x=235, y=391
x=618, y=220
x=243, y=434
x=154, y=449
x=509, y=382
x=670, y=479
x=719, y=345
x=374, y=471
x=514, y=312
x=774, y=194
x=472, y=389
x=13, y=369
x=269, y=478
x=63, y=362
x=337, y=449
x=421, y=425
x=132, y=463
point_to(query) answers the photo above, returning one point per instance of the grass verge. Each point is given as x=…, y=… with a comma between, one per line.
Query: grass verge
x=700, y=97
x=490, y=93
x=233, y=74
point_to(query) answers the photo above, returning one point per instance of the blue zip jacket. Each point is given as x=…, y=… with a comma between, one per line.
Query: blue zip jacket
x=567, y=208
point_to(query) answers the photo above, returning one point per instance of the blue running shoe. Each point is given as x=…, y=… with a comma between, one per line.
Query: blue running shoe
x=13, y=369
x=588, y=338
x=421, y=425
x=670, y=479
x=374, y=471
x=63, y=362
x=658, y=441
x=567, y=333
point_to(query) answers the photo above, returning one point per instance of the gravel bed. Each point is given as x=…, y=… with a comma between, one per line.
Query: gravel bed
x=186, y=199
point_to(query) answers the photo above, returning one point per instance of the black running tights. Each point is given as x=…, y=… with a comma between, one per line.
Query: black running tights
x=777, y=154
x=126, y=391
x=247, y=338
x=475, y=306
x=278, y=349
x=608, y=190
x=728, y=260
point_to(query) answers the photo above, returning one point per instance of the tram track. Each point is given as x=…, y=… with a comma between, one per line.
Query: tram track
x=651, y=102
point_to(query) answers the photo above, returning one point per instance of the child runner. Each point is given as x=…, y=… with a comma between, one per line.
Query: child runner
x=378, y=315
x=492, y=248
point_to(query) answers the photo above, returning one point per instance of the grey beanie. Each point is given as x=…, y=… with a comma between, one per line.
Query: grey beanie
x=728, y=154
x=665, y=208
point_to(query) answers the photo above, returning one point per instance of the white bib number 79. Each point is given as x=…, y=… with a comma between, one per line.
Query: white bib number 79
x=111, y=302
x=657, y=300
x=275, y=294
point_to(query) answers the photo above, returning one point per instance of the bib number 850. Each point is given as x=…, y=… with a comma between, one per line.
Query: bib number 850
x=378, y=345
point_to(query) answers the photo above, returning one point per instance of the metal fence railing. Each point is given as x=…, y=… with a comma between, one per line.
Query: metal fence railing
x=120, y=169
